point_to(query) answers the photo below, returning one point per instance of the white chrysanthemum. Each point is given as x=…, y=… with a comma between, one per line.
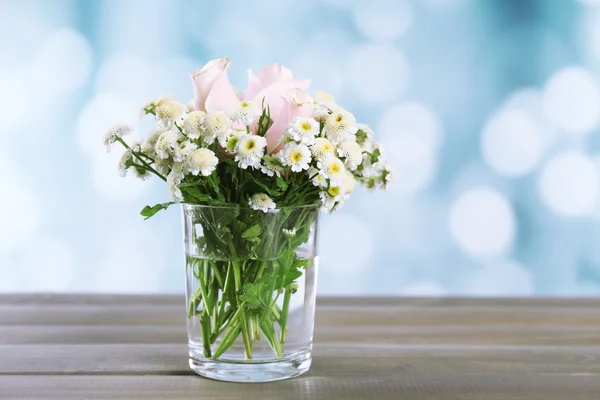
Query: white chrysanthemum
x=148, y=145
x=114, y=132
x=202, y=161
x=339, y=126
x=215, y=124
x=289, y=232
x=332, y=198
x=271, y=167
x=163, y=165
x=190, y=105
x=387, y=177
x=177, y=173
x=296, y=156
x=169, y=112
x=350, y=151
x=370, y=170
x=332, y=168
x=317, y=179
x=174, y=191
x=141, y=173
x=167, y=143
x=126, y=158
x=262, y=202
x=365, y=137
x=249, y=151
x=349, y=183
x=184, y=150
x=303, y=130
x=229, y=140
x=322, y=148
x=245, y=112
x=192, y=124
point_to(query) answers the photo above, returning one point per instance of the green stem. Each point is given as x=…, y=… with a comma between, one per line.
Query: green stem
x=135, y=154
x=284, y=313
x=205, y=329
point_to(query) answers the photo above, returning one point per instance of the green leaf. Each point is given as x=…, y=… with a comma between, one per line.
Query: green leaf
x=273, y=160
x=253, y=295
x=150, y=211
x=361, y=136
x=252, y=232
x=291, y=276
x=196, y=193
x=281, y=183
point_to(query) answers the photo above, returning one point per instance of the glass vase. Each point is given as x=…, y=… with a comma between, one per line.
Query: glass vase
x=250, y=290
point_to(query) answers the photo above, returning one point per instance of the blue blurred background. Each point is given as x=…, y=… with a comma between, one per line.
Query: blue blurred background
x=490, y=111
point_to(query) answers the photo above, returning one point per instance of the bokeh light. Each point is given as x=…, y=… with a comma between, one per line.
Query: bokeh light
x=572, y=100
x=502, y=278
x=382, y=19
x=483, y=222
x=511, y=143
x=569, y=184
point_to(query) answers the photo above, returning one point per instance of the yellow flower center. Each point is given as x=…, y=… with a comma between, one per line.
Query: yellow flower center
x=250, y=145
x=306, y=126
x=335, y=168
x=339, y=118
x=333, y=191
x=296, y=156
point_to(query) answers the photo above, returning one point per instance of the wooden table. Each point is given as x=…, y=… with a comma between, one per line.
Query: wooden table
x=134, y=347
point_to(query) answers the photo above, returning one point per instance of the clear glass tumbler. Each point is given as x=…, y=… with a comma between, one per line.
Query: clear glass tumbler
x=250, y=290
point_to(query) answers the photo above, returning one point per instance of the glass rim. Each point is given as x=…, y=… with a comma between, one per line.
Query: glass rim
x=240, y=207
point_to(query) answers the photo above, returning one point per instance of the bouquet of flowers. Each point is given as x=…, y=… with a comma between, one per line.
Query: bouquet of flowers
x=269, y=156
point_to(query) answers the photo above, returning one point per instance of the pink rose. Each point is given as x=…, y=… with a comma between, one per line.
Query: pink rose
x=204, y=79
x=275, y=86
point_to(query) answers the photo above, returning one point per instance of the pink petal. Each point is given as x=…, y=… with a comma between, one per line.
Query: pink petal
x=222, y=96
x=274, y=95
x=204, y=78
x=275, y=133
x=254, y=86
x=274, y=73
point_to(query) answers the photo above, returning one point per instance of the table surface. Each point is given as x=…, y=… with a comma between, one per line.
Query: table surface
x=134, y=347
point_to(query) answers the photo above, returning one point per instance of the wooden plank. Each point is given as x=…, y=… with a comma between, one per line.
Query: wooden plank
x=426, y=315
x=508, y=386
x=365, y=335
x=331, y=360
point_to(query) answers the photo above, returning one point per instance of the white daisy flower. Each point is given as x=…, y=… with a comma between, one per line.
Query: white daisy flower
x=262, y=202
x=350, y=151
x=322, y=148
x=365, y=137
x=184, y=150
x=332, y=197
x=340, y=125
x=289, y=232
x=317, y=179
x=303, y=130
x=332, y=168
x=177, y=173
x=126, y=158
x=371, y=170
x=149, y=144
x=296, y=156
x=167, y=143
x=192, y=124
x=271, y=168
x=202, y=161
x=114, y=132
x=349, y=183
x=245, y=112
x=170, y=112
x=163, y=165
x=215, y=124
x=174, y=191
x=141, y=173
x=229, y=140
x=249, y=151
x=190, y=106
x=387, y=177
